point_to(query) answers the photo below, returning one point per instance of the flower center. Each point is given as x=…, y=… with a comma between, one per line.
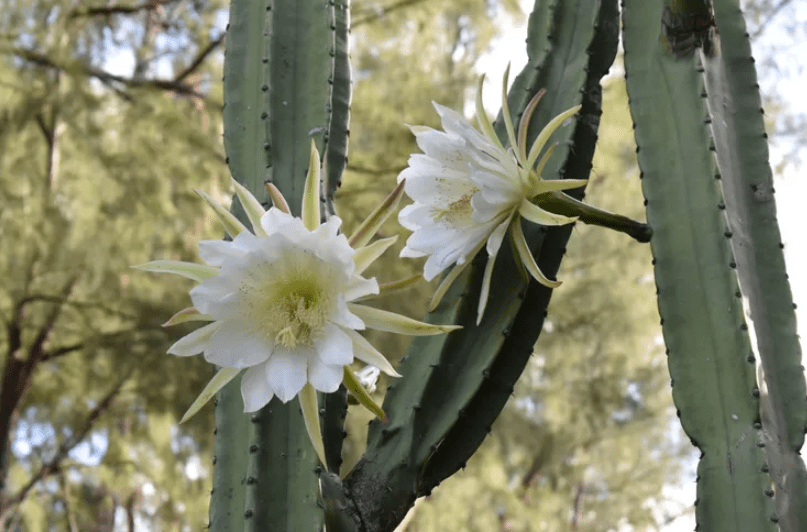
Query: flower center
x=458, y=211
x=298, y=307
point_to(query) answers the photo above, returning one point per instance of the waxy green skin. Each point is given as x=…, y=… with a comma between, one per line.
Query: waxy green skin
x=455, y=386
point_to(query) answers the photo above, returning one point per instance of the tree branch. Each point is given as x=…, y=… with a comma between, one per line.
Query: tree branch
x=199, y=59
x=103, y=76
x=54, y=465
x=382, y=12
x=149, y=5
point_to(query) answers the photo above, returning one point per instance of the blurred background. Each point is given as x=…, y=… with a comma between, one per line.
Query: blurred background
x=110, y=114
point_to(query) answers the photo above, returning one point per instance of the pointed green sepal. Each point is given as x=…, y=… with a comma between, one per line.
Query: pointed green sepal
x=222, y=377
x=357, y=390
x=310, y=210
x=370, y=225
x=537, y=215
x=278, y=200
x=482, y=117
x=527, y=259
x=383, y=320
x=310, y=408
x=366, y=255
x=545, y=133
x=231, y=224
x=524, y=124
x=191, y=270
x=187, y=315
x=252, y=207
x=364, y=351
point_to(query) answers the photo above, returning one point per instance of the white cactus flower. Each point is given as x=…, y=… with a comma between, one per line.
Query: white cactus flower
x=468, y=190
x=281, y=302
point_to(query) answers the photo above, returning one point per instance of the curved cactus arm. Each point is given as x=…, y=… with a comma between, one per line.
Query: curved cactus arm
x=442, y=375
x=742, y=157
x=710, y=359
x=470, y=430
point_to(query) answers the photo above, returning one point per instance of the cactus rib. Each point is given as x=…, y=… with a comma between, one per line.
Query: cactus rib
x=702, y=319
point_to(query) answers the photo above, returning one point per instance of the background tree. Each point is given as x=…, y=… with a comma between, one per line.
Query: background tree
x=96, y=172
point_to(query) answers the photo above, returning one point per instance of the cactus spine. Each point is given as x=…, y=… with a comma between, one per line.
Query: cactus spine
x=287, y=80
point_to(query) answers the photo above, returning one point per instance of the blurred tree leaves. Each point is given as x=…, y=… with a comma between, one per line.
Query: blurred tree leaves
x=110, y=115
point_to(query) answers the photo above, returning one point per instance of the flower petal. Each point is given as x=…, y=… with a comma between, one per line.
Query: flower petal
x=235, y=346
x=376, y=219
x=545, y=133
x=366, y=255
x=537, y=215
x=527, y=258
x=311, y=210
x=278, y=201
x=343, y=317
x=251, y=206
x=324, y=377
x=308, y=404
x=364, y=351
x=287, y=371
x=231, y=224
x=195, y=342
x=222, y=377
x=187, y=315
x=384, y=320
x=357, y=390
x=255, y=390
x=359, y=287
x=191, y=270
x=333, y=346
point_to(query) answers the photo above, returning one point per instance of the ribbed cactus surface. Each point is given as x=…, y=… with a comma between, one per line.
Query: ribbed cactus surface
x=287, y=81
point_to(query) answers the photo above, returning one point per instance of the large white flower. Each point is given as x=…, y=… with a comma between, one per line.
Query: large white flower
x=469, y=190
x=282, y=302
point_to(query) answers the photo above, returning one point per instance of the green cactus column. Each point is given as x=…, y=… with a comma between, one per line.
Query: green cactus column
x=710, y=358
x=742, y=157
x=278, y=81
x=455, y=386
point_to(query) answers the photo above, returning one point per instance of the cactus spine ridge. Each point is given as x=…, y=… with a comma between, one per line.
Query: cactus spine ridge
x=702, y=319
x=742, y=156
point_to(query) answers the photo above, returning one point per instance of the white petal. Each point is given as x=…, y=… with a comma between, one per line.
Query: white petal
x=235, y=346
x=330, y=228
x=359, y=287
x=416, y=215
x=325, y=377
x=343, y=317
x=274, y=219
x=364, y=351
x=334, y=347
x=456, y=124
x=496, y=237
x=287, y=372
x=195, y=342
x=255, y=390
x=214, y=252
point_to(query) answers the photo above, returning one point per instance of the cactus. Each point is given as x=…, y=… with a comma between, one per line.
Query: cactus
x=287, y=80
x=700, y=244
